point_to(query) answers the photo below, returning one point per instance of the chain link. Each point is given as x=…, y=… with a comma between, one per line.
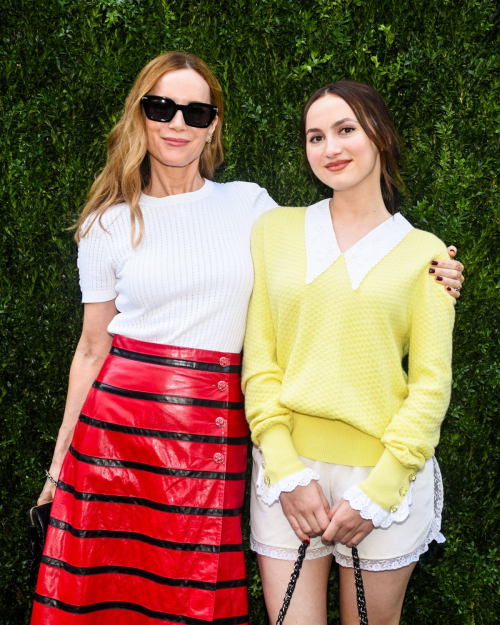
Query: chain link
x=360, y=589
x=50, y=478
x=291, y=584
x=358, y=578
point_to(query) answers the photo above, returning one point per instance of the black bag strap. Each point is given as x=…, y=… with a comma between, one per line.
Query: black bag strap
x=358, y=578
x=291, y=584
x=360, y=589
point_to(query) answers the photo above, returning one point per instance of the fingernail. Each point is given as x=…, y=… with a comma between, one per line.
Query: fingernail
x=434, y=262
x=308, y=542
x=439, y=278
x=448, y=288
x=432, y=271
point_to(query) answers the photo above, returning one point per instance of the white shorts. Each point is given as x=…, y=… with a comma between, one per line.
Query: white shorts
x=382, y=550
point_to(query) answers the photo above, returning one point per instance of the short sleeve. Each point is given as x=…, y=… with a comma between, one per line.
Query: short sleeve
x=97, y=272
x=263, y=203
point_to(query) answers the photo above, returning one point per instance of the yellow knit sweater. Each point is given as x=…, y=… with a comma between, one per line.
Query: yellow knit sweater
x=322, y=371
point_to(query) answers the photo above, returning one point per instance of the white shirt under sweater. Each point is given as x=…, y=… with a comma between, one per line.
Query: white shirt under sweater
x=190, y=280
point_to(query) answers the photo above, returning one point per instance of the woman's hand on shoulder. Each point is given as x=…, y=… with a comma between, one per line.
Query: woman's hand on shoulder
x=346, y=526
x=449, y=273
x=306, y=509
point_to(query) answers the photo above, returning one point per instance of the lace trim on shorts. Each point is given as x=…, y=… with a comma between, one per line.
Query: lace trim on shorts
x=434, y=533
x=281, y=553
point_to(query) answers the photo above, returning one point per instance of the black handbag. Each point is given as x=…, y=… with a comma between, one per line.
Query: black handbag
x=360, y=591
x=38, y=522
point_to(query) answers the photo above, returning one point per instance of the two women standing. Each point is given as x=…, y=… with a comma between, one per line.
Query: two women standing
x=150, y=459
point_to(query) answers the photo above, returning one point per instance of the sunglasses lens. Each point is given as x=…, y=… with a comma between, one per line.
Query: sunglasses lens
x=198, y=115
x=159, y=110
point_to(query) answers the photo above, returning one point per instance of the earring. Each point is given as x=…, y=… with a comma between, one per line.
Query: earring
x=209, y=140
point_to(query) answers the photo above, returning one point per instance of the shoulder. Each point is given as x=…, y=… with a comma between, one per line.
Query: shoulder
x=110, y=223
x=248, y=196
x=283, y=220
x=426, y=244
x=278, y=215
x=237, y=187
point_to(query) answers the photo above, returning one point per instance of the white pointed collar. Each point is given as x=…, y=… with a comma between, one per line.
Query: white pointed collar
x=322, y=249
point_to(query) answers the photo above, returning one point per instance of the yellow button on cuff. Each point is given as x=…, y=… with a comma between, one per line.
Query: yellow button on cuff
x=394, y=508
x=402, y=492
x=267, y=481
x=413, y=477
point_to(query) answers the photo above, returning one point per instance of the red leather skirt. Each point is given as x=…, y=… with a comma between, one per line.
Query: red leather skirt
x=146, y=520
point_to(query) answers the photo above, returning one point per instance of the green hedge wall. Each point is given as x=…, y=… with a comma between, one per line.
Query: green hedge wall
x=66, y=67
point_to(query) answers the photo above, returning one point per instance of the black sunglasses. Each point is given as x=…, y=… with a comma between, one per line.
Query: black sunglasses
x=196, y=114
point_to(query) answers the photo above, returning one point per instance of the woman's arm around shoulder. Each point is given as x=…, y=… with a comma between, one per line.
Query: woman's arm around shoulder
x=260, y=200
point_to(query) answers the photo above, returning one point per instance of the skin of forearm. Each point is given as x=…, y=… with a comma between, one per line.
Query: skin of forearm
x=84, y=370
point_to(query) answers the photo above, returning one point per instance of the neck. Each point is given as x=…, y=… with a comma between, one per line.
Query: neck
x=167, y=180
x=361, y=204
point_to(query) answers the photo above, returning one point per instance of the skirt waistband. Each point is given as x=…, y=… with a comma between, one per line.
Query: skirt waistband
x=189, y=357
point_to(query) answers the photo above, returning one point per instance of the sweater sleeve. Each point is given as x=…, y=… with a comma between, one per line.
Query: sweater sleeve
x=97, y=271
x=270, y=421
x=263, y=203
x=413, y=432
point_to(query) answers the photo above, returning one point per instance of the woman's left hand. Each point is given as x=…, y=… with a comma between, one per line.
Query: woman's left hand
x=449, y=273
x=347, y=526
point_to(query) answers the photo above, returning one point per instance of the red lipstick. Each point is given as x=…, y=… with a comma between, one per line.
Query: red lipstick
x=337, y=165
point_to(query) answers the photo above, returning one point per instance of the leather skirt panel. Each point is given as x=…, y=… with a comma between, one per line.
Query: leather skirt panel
x=146, y=520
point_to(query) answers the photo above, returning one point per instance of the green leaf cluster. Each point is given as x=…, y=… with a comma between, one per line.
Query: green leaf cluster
x=65, y=69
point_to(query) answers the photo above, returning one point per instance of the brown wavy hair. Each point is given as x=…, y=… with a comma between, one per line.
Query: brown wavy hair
x=127, y=171
x=372, y=113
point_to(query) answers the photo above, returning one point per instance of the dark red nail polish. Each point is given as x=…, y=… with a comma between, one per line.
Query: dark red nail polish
x=448, y=288
x=439, y=278
x=434, y=262
x=308, y=542
x=432, y=271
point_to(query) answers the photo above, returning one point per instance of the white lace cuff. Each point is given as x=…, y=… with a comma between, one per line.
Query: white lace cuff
x=270, y=494
x=368, y=509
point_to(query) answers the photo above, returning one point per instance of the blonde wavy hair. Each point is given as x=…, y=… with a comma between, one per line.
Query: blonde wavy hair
x=127, y=171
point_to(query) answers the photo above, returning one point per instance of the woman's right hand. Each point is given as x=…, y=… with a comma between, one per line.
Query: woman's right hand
x=306, y=509
x=47, y=494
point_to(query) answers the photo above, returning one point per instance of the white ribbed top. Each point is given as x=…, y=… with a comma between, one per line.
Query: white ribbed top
x=189, y=281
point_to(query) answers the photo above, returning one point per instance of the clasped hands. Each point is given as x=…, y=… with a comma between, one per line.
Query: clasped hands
x=309, y=514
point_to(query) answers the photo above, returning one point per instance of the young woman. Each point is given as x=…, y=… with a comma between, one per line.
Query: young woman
x=151, y=455
x=346, y=436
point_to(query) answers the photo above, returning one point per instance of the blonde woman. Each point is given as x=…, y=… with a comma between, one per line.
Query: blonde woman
x=151, y=455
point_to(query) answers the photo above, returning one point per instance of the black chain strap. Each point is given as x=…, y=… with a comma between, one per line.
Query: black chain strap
x=358, y=578
x=360, y=589
x=291, y=584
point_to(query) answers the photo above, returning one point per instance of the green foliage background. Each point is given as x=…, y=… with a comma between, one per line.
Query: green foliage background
x=66, y=67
